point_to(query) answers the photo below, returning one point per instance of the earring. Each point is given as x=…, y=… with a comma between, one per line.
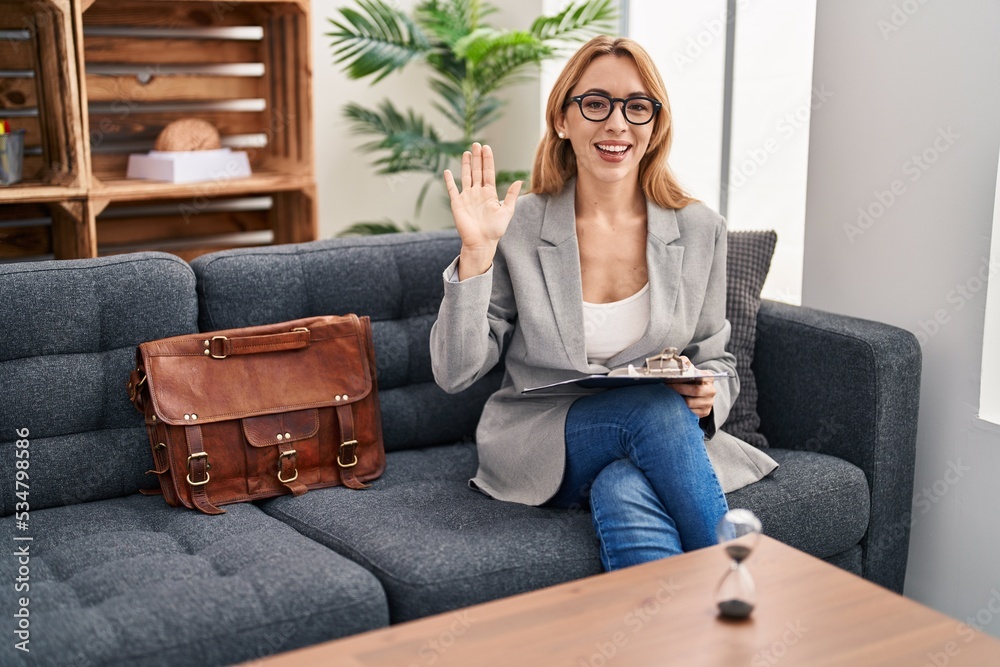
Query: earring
x=562, y=135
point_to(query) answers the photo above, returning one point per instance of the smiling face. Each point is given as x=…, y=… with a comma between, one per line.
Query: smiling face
x=609, y=150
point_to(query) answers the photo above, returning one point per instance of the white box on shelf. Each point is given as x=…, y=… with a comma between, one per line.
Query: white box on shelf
x=189, y=166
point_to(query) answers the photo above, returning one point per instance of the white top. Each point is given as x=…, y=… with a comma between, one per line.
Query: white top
x=609, y=328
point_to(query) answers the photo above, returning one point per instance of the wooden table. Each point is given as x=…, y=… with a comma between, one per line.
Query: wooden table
x=663, y=613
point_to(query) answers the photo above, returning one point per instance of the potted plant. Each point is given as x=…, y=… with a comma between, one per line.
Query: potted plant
x=470, y=62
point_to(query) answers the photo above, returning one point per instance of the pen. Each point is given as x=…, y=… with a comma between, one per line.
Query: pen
x=4, y=152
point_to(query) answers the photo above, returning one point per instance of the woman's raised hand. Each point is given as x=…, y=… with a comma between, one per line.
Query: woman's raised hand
x=480, y=216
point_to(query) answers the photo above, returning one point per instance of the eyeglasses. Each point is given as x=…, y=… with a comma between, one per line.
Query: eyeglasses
x=597, y=107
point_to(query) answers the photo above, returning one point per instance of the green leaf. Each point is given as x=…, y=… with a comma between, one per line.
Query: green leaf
x=509, y=177
x=386, y=226
x=378, y=40
x=447, y=65
x=487, y=112
x=471, y=60
x=503, y=62
x=451, y=92
x=485, y=43
x=423, y=194
x=407, y=142
x=578, y=22
x=506, y=178
x=449, y=21
x=471, y=40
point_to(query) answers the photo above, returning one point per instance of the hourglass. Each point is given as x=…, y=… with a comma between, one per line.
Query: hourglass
x=738, y=532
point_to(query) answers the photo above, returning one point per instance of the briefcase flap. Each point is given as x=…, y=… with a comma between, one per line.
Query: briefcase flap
x=270, y=430
x=238, y=373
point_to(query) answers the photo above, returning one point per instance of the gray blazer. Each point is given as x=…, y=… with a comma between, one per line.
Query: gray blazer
x=531, y=301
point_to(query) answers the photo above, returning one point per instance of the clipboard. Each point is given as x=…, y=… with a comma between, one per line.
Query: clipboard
x=668, y=367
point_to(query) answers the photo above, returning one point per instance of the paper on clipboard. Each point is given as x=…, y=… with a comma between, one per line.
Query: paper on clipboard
x=612, y=381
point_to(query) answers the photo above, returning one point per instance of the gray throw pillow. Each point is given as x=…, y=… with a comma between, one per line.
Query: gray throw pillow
x=748, y=261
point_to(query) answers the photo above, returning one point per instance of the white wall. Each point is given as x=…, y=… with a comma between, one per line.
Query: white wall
x=349, y=190
x=989, y=398
x=772, y=104
x=929, y=87
x=687, y=40
x=770, y=117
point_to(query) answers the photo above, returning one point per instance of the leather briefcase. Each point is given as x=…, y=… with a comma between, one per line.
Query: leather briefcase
x=262, y=411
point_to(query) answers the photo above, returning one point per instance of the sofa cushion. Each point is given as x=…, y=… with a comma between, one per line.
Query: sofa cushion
x=395, y=279
x=814, y=502
x=747, y=263
x=436, y=544
x=131, y=581
x=849, y=560
x=68, y=334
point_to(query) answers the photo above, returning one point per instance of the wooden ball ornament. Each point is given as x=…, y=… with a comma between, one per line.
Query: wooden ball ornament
x=188, y=134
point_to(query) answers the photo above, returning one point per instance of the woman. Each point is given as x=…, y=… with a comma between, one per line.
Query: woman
x=606, y=263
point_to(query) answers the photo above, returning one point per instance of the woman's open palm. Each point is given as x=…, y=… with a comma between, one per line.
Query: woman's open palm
x=480, y=217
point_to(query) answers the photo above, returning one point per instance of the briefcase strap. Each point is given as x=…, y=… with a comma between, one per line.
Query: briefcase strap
x=347, y=453
x=198, y=470
x=160, y=458
x=288, y=473
x=135, y=381
x=220, y=347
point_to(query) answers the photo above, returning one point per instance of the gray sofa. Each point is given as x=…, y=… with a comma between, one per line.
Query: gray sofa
x=118, y=578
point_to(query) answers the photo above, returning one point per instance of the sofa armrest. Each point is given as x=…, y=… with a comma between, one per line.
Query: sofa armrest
x=849, y=388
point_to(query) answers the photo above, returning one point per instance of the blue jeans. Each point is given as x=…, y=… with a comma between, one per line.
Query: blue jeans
x=637, y=455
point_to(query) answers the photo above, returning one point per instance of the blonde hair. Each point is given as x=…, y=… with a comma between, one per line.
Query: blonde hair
x=555, y=162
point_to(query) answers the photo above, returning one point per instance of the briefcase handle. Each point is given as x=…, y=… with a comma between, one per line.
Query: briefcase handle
x=220, y=347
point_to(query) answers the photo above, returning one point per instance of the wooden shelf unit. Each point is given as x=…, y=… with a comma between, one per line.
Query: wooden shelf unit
x=136, y=65
x=40, y=93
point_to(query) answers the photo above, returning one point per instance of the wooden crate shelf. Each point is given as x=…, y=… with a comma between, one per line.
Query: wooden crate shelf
x=25, y=229
x=191, y=226
x=129, y=68
x=61, y=228
x=38, y=190
x=134, y=190
x=155, y=62
x=40, y=93
x=185, y=227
